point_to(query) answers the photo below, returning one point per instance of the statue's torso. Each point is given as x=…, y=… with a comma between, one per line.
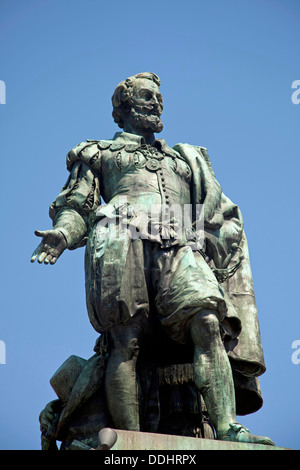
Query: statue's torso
x=145, y=177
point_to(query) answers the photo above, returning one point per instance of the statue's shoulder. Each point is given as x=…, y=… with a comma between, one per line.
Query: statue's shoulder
x=88, y=152
x=194, y=153
x=184, y=148
x=203, y=151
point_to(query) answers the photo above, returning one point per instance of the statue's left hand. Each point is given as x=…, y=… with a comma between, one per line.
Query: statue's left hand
x=51, y=247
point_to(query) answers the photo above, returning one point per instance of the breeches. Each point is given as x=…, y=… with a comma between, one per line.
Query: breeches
x=127, y=279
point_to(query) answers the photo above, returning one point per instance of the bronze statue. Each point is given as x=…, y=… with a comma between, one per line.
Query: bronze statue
x=145, y=277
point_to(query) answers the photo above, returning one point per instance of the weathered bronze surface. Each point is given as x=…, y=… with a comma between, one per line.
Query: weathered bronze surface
x=168, y=287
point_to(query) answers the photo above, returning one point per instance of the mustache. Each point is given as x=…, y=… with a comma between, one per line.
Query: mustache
x=148, y=110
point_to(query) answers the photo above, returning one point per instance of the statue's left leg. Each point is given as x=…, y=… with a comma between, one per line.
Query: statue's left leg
x=213, y=377
x=212, y=370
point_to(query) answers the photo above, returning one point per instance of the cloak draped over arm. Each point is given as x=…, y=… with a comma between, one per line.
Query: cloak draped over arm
x=224, y=240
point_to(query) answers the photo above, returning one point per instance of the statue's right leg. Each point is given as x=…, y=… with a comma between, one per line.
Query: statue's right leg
x=120, y=378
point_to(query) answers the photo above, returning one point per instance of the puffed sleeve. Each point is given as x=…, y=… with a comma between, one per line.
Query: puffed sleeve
x=73, y=211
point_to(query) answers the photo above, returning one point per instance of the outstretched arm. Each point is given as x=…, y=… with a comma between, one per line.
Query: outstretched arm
x=72, y=214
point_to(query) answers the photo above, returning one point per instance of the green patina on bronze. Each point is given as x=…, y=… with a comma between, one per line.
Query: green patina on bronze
x=177, y=318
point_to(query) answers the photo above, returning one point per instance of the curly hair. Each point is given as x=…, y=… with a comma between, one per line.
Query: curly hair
x=122, y=97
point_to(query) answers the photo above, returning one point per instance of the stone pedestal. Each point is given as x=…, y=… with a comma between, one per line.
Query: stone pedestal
x=131, y=440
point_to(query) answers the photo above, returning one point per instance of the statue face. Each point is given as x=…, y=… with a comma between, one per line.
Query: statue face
x=147, y=97
x=146, y=106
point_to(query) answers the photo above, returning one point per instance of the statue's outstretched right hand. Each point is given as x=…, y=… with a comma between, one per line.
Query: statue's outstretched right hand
x=51, y=247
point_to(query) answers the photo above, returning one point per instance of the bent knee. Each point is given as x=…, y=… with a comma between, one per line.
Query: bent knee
x=206, y=322
x=124, y=343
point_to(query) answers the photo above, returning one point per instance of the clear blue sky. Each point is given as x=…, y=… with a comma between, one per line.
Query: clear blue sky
x=226, y=68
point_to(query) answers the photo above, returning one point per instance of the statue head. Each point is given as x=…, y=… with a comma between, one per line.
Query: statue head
x=137, y=101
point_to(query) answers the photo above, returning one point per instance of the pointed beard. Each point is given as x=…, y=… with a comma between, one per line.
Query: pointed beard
x=145, y=121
